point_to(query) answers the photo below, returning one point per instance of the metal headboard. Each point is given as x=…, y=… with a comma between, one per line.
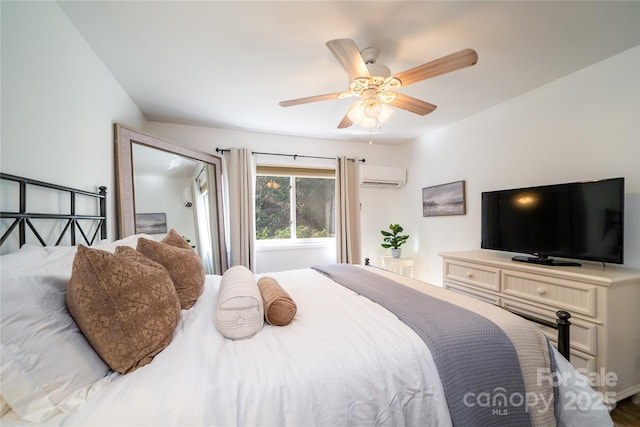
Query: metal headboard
x=22, y=218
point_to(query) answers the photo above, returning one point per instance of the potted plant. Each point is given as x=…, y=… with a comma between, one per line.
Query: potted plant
x=186, y=239
x=394, y=239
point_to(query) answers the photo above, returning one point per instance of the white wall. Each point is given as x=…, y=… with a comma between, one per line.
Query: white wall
x=380, y=206
x=583, y=126
x=58, y=102
x=179, y=217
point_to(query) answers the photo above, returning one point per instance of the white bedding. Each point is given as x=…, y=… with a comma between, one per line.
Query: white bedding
x=344, y=360
x=202, y=378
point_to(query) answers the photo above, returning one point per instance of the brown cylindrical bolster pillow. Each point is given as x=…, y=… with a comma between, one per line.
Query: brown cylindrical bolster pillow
x=279, y=308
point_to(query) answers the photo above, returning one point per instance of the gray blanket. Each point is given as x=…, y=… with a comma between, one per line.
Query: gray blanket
x=474, y=357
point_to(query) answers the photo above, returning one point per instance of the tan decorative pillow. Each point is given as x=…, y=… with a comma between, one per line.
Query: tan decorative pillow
x=174, y=239
x=124, y=303
x=279, y=308
x=182, y=262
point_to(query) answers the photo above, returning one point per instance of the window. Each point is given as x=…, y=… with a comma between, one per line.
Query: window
x=294, y=203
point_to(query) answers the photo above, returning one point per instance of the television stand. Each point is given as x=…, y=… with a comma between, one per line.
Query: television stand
x=603, y=303
x=546, y=261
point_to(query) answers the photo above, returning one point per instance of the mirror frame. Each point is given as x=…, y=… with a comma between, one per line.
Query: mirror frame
x=124, y=138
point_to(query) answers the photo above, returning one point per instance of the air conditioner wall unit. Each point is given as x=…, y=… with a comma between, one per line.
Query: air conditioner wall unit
x=186, y=198
x=382, y=176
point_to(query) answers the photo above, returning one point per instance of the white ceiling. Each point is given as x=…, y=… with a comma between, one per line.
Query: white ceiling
x=151, y=161
x=228, y=64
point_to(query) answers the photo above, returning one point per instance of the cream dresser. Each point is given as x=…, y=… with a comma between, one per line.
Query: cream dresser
x=402, y=265
x=604, y=304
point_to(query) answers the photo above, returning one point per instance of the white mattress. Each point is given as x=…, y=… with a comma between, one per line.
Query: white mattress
x=344, y=360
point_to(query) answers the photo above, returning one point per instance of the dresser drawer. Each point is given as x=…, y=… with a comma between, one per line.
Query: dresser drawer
x=474, y=274
x=584, y=362
x=582, y=335
x=551, y=291
x=477, y=294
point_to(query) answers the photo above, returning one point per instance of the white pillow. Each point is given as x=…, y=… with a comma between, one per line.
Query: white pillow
x=240, y=310
x=104, y=245
x=131, y=241
x=59, y=251
x=46, y=364
x=27, y=256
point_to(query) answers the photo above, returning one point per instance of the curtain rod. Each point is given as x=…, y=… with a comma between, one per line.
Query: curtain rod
x=295, y=156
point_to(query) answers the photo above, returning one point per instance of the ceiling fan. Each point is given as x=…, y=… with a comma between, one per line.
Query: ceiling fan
x=377, y=88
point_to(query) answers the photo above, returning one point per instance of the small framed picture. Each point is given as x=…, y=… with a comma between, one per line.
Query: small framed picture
x=444, y=199
x=151, y=223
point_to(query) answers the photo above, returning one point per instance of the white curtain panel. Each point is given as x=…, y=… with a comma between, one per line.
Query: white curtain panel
x=203, y=242
x=240, y=179
x=212, y=217
x=348, y=211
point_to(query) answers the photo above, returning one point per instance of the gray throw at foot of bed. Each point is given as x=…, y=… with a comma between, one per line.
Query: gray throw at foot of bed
x=474, y=357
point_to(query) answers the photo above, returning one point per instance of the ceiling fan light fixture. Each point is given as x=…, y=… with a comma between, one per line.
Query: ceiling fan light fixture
x=372, y=108
x=356, y=112
x=385, y=113
x=272, y=184
x=369, y=113
x=387, y=97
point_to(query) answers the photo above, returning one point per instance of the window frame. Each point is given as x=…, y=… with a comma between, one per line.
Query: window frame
x=292, y=173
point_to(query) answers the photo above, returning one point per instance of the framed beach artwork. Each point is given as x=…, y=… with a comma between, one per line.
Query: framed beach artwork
x=444, y=199
x=151, y=223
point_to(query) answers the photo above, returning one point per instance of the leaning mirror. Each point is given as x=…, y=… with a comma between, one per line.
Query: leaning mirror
x=163, y=186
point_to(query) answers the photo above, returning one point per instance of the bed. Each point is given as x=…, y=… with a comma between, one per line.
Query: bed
x=344, y=358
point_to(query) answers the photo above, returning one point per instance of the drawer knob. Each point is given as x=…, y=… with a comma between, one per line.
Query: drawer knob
x=541, y=291
x=469, y=275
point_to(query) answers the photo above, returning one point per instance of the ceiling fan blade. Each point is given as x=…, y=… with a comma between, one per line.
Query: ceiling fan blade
x=345, y=123
x=446, y=64
x=347, y=53
x=412, y=104
x=309, y=99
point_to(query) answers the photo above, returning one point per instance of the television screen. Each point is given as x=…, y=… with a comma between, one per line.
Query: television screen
x=581, y=220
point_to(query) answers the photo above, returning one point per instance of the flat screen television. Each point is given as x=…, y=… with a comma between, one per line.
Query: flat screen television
x=580, y=220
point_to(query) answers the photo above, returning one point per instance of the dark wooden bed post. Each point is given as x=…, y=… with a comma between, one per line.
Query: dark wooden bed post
x=564, y=346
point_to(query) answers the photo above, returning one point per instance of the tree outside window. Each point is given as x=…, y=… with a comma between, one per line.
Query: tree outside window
x=294, y=207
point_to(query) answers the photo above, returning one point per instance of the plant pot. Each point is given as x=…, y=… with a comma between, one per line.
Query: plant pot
x=396, y=252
